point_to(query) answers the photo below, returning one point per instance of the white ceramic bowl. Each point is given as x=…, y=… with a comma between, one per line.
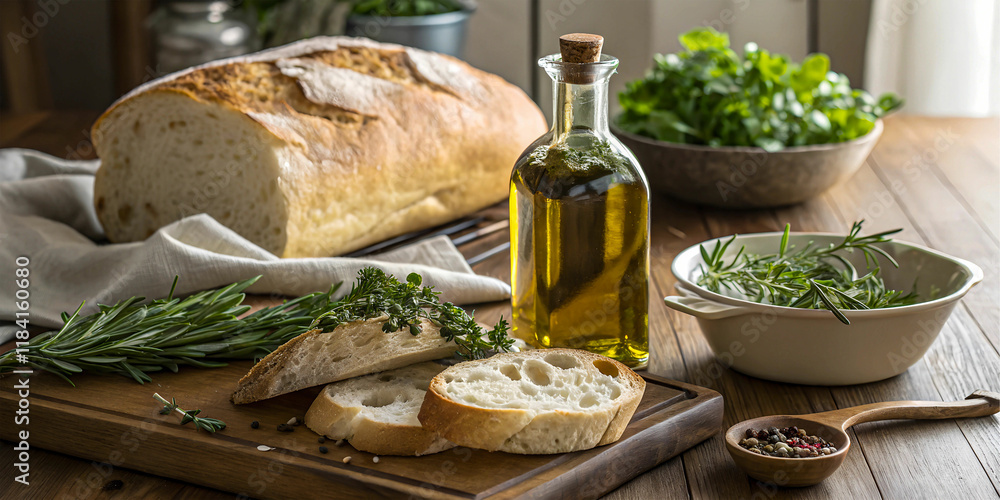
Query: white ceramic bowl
x=808, y=346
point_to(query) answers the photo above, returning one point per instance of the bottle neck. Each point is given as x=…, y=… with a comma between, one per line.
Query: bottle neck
x=580, y=108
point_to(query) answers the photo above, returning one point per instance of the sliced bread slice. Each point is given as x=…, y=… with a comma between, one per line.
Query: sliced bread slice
x=378, y=413
x=350, y=350
x=533, y=402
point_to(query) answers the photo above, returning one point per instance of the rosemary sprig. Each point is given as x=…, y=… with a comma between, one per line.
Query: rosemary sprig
x=207, y=424
x=815, y=277
x=133, y=338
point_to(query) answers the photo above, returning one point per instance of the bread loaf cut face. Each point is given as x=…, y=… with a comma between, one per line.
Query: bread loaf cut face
x=313, y=149
x=378, y=413
x=350, y=350
x=533, y=402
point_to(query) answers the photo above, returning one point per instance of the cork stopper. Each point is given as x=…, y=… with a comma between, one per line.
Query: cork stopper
x=581, y=47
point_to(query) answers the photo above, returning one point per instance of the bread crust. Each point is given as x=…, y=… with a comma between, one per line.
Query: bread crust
x=317, y=357
x=524, y=431
x=371, y=141
x=370, y=435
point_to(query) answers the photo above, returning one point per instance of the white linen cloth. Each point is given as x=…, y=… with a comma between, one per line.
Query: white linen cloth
x=47, y=215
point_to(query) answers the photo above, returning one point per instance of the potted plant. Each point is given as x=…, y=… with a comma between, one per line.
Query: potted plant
x=435, y=25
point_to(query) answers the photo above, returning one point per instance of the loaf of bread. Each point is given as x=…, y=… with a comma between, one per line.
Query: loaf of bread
x=313, y=149
x=533, y=402
x=378, y=413
x=349, y=350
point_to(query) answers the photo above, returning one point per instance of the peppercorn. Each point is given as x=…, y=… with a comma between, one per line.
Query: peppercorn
x=323, y=449
x=322, y=439
x=790, y=442
x=255, y=424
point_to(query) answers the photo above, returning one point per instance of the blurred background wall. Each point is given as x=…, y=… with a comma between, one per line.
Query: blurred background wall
x=85, y=53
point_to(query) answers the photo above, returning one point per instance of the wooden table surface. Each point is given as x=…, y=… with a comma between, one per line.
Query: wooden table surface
x=937, y=178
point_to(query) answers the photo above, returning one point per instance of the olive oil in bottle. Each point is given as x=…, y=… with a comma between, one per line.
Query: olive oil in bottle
x=580, y=221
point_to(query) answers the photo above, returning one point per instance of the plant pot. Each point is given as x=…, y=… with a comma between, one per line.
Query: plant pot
x=442, y=33
x=747, y=177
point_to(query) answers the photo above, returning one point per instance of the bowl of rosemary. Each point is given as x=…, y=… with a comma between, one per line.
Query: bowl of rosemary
x=818, y=308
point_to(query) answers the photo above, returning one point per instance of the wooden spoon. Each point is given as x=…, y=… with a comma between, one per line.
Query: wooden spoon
x=832, y=426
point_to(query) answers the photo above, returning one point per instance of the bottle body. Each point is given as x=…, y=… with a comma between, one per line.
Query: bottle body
x=579, y=214
x=580, y=261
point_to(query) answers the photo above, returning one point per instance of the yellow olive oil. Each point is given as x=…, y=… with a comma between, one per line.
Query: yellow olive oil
x=579, y=250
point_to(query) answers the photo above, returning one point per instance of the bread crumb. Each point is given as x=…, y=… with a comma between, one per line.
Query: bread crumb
x=340, y=442
x=375, y=459
x=347, y=459
x=292, y=421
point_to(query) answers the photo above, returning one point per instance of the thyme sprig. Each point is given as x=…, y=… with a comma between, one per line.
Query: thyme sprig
x=404, y=303
x=204, y=423
x=134, y=339
x=815, y=277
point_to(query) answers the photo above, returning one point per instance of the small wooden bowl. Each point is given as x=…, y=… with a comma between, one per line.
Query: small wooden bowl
x=788, y=471
x=832, y=426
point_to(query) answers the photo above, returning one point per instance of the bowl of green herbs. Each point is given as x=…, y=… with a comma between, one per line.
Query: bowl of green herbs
x=712, y=127
x=816, y=308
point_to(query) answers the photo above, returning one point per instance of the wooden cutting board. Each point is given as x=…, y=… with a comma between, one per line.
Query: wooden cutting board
x=113, y=420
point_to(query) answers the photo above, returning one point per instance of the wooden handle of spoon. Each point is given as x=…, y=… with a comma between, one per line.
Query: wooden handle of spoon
x=978, y=404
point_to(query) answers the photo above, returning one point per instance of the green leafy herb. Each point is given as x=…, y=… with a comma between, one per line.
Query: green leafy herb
x=709, y=95
x=815, y=277
x=405, y=7
x=405, y=303
x=207, y=424
x=133, y=338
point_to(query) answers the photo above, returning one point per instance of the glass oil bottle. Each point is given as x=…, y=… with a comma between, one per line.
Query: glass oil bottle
x=579, y=215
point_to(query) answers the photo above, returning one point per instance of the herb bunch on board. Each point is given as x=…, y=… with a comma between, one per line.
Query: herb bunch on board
x=709, y=95
x=814, y=277
x=134, y=339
